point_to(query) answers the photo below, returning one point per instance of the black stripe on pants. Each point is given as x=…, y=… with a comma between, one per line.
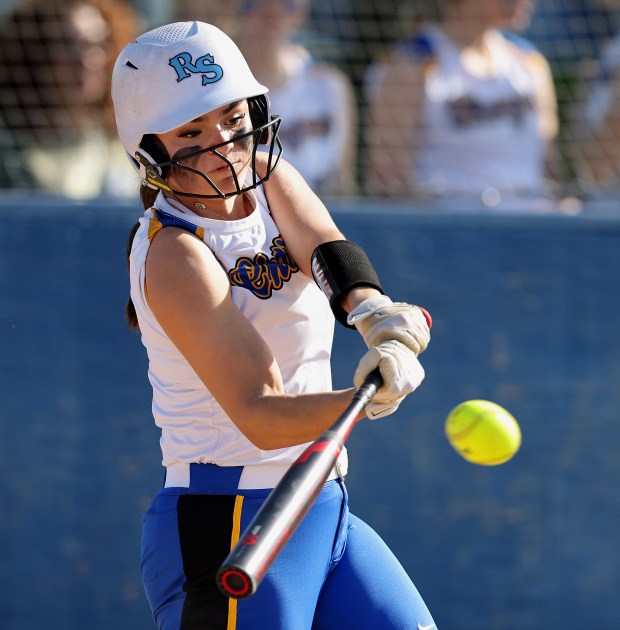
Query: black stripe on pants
x=205, y=529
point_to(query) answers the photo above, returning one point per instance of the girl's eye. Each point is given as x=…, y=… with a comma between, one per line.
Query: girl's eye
x=236, y=121
x=190, y=133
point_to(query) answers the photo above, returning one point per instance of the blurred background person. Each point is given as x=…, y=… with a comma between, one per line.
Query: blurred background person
x=572, y=35
x=315, y=99
x=462, y=108
x=154, y=12
x=57, y=131
x=220, y=13
x=596, y=132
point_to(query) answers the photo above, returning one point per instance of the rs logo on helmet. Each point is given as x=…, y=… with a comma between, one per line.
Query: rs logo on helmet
x=185, y=67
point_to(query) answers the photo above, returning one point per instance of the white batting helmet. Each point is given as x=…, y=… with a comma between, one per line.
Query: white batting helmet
x=174, y=74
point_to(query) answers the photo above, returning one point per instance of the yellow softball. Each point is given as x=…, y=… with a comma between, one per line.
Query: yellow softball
x=483, y=432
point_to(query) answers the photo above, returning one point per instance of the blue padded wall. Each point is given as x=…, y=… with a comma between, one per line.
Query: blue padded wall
x=525, y=313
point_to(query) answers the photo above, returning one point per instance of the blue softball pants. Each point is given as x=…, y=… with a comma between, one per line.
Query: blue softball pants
x=334, y=573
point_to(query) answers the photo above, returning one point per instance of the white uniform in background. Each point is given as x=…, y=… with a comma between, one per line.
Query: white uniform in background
x=314, y=105
x=478, y=134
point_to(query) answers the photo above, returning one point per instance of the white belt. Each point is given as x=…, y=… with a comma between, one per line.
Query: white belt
x=253, y=477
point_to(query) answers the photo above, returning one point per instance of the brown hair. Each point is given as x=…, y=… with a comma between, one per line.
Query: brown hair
x=147, y=196
x=33, y=37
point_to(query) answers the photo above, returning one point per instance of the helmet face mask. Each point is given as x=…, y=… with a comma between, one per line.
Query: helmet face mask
x=170, y=76
x=181, y=166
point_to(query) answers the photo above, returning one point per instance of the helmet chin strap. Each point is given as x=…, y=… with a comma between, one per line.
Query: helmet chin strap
x=201, y=207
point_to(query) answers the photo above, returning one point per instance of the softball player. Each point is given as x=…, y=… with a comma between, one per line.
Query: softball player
x=462, y=108
x=236, y=273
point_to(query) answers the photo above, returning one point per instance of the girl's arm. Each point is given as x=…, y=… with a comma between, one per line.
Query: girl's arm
x=317, y=245
x=547, y=108
x=395, y=115
x=190, y=296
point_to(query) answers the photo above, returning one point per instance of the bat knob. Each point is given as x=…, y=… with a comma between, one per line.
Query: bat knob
x=235, y=583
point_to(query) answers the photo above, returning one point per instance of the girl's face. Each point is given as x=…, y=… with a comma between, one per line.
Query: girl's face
x=220, y=126
x=76, y=56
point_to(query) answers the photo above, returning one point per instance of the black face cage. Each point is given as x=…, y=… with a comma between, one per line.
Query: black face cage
x=265, y=132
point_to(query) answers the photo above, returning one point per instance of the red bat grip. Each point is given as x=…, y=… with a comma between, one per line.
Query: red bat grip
x=427, y=317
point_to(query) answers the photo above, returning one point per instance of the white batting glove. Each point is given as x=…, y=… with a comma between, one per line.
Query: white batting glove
x=401, y=372
x=378, y=319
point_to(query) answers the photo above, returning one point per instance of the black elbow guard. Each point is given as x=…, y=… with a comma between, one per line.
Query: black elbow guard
x=338, y=267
